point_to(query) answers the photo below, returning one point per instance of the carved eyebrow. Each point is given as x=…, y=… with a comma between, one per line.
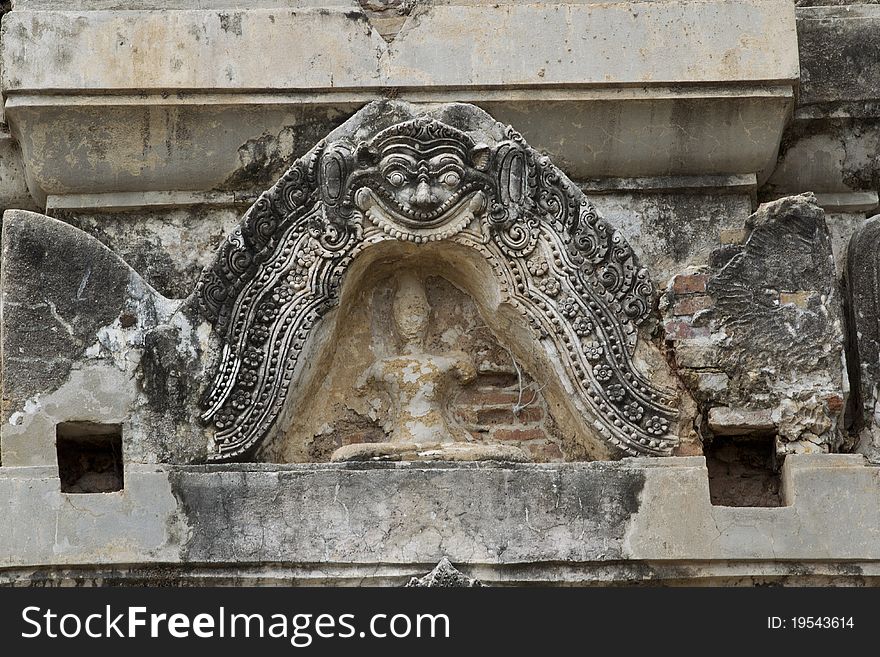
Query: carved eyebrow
x=398, y=160
x=445, y=162
x=445, y=158
x=424, y=150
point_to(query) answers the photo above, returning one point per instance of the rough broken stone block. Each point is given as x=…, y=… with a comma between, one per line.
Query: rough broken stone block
x=773, y=329
x=65, y=351
x=726, y=421
x=863, y=286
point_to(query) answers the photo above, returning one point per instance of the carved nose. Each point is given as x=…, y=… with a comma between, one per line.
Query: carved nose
x=423, y=195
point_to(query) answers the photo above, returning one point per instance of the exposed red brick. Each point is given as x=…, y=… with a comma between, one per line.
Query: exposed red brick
x=358, y=437
x=488, y=397
x=530, y=414
x=690, y=283
x=496, y=379
x=682, y=330
x=732, y=235
x=127, y=320
x=518, y=434
x=545, y=451
x=801, y=298
x=691, y=448
x=502, y=415
x=488, y=416
x=505, y=415
x=835, y=403
x=691, y=305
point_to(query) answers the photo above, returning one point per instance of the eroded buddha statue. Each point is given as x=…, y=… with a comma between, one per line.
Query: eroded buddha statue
x=420, y=387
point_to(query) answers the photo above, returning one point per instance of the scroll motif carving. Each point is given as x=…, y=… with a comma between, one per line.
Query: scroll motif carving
x=572, y=275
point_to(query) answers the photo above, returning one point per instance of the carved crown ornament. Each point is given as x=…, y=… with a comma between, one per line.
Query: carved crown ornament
x=571, y=275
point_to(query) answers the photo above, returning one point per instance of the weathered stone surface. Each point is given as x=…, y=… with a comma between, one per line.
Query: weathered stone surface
x=168, y=247
x=671, y=230
x=387, y=16
x=80, y=335
x=13, y=186
x=65, y=297
x=811, y=521
x=839, y=54
x=774, y=329
x=408, y=514
x=863, y=286
x=58, y=284
x=138, y=524
x=725, y=421
x=833, y=3
x=832, y=143
x=836, y=156
x=627, y=521
x=841, y=227
x=245, y=41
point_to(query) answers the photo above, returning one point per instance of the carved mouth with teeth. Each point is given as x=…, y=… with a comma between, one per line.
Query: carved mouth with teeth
x=424, y=214
x=421, y=216
x=453, y=216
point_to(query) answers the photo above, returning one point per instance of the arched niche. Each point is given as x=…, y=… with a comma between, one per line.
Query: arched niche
x=355, y=334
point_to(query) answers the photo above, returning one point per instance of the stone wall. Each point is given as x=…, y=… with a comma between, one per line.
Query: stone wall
x=733, y=165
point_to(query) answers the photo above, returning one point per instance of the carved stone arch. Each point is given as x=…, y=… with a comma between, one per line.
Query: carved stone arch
x=419, y=179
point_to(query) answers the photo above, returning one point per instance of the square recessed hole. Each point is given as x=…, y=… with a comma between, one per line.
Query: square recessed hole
x=742, y=471
x=89, y=457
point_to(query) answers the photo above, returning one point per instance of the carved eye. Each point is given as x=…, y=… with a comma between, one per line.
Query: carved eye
x=451, y=179
x=396, y=178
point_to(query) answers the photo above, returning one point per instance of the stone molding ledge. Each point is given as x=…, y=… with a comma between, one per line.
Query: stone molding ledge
x=171, y=100
x=631, y=520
